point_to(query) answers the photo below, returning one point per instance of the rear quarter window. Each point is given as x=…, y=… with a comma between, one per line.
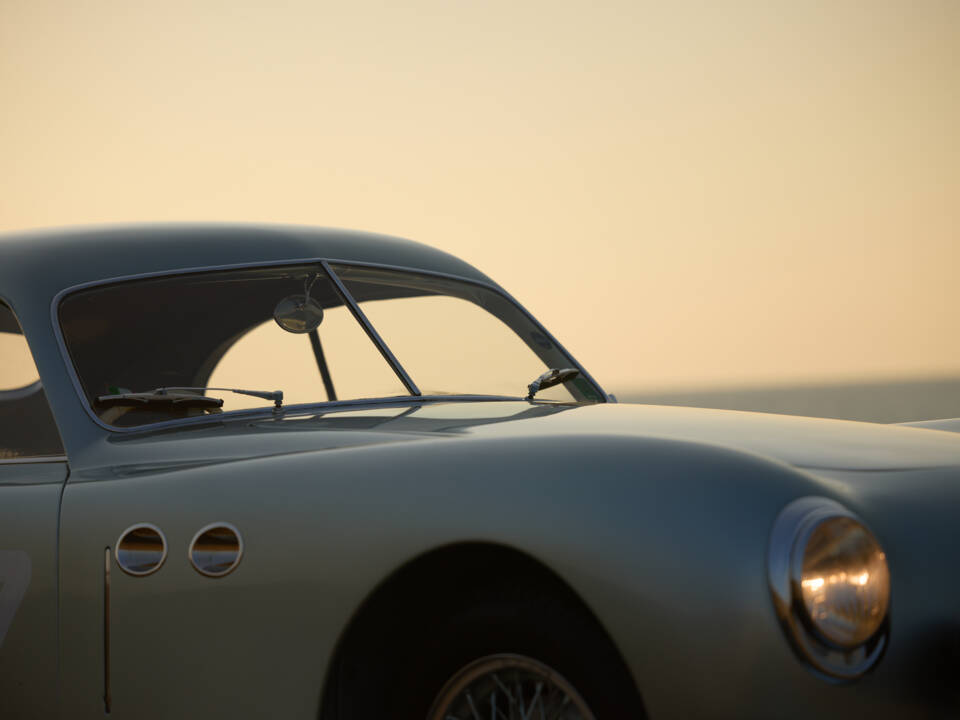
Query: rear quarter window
x=27, y=428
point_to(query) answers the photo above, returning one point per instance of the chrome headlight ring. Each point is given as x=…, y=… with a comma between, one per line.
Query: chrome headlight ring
x=841, y=653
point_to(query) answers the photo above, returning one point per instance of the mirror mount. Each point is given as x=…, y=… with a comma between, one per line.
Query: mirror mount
x=299, y=314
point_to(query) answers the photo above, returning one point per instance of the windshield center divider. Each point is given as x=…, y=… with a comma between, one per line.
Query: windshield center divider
x=369, y=329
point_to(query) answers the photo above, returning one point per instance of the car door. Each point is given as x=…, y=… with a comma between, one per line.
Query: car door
x=168, y=640
x=32, y=473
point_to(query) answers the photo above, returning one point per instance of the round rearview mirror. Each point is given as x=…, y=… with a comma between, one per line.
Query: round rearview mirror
x=298, y=314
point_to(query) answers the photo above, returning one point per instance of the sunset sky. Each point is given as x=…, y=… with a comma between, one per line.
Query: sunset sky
x=685, y=193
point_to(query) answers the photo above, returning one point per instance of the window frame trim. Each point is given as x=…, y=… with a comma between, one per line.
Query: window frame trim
x=35, y=460
x=352, y=305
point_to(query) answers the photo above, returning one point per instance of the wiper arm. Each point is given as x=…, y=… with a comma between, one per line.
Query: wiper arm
x=553, y=376
x=275, y=395
x=184, y=397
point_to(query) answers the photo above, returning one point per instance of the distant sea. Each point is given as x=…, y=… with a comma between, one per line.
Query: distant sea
x=883, y=402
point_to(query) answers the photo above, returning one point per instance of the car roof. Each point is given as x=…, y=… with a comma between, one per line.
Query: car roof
x=48, y=261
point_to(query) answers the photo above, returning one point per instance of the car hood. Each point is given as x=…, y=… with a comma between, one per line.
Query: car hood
x=799, y=441
x=809, y=443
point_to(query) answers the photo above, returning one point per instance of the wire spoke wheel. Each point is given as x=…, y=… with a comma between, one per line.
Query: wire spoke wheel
x=508, y=687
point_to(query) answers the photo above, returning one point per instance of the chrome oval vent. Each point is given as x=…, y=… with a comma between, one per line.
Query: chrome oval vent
x=141, y=549
x=216, y=550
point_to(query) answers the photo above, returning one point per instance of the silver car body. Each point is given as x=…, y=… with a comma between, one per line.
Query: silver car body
x=657, y=518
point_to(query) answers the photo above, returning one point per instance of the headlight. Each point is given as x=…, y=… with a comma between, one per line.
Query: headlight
x=844, y=582
x=830, y=586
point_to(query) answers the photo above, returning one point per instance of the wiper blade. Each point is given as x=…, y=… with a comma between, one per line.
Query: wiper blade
x=183, y=397
x=553, y=376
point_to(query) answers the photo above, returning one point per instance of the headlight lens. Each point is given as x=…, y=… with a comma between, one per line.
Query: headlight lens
x=830, y=587
x=845, y=583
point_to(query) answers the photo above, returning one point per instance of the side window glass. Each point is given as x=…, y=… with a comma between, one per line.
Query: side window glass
x=27, y=429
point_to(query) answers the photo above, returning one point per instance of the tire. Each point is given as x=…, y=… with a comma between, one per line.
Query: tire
x=403, y=668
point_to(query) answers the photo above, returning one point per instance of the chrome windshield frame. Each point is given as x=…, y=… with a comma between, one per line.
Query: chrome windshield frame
x=352, y=306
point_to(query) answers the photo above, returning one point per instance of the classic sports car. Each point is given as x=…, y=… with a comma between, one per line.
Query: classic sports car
x=286, y=472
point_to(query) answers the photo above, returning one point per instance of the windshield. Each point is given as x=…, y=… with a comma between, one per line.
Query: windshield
x=367, y=334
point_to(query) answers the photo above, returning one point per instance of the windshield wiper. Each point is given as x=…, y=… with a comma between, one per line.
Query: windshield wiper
x=183, y=397
x=553, y=376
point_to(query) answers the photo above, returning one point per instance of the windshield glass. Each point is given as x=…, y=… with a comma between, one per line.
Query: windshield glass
x=144, y=348
x=456, y=337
